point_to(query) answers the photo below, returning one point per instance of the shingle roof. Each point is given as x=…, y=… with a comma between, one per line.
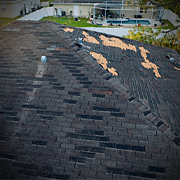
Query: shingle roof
x=69, y=118
x=144, y=69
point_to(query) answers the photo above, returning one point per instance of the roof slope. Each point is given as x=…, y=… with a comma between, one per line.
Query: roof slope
x=68, y=118
x=144, y=69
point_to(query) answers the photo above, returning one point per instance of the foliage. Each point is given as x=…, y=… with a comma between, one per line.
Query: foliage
x=128, y=3
x=173, y=5
x=70, y=21
x=168, y=26
x=147, y=35
x=171, y=39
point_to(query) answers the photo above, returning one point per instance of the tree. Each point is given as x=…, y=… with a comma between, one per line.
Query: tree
x=173, y=5
x=147, y=35
x=170, y=39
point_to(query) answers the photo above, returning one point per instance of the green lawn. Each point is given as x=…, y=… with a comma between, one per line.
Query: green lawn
x=169, y=25
x=82, y=22
x=5, y=21
x=70, y=22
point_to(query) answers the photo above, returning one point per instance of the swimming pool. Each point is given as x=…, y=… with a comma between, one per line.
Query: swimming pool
x=129, y=21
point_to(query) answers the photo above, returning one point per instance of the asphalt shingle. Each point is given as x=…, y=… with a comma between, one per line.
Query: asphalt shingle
x=69, y=118
x=142, y=68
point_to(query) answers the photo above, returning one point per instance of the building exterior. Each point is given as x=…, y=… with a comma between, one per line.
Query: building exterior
x=76, y=8
x=121, y=9
x=106, y=9
x=14, y=8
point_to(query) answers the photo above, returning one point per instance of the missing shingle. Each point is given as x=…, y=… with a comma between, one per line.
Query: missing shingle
x=7, y=156
x=29, y=106
x=90, y=149
x=160, y=123
x=82, y=78
x=58, y=88
x=74, y=71
x=69, y=101
x=118, y=114
x=86, y=82
x=147, y=112
x=108, y=77
x=55, y=84
x=89, y=117
x=73, y=64
x=87, y=154
x=2, y=138
x=121, y=171
x=167, y=56
x=78, y=75
x=106, y=109
x=123, y=146
x=48, y=76
x=157, y=169
x=87, y=137
x=22, y=134
x=47, y=117
x=12, y=119
x=90, y=132
x=77, y=159
x=50, y=113
x=130, y=99
x=177, y=141
x=41, y=143
x=77, y=44
x=101, y=91
x=98, y=95
x=74, y=93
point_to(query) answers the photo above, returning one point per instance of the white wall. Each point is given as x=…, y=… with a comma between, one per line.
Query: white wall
x=170, y=16
x=13, y=8
x=39, y=14
x=8, y=13
x=82, y=10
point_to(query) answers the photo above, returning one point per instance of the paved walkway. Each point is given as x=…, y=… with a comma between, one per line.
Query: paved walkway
x=68, y=118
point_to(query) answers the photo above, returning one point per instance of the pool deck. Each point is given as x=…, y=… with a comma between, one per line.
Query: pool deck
x=104, y=22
